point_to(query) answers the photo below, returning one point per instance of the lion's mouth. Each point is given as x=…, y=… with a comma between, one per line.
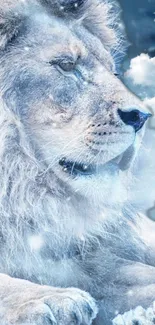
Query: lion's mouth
x=75, y=168
x=121, y=162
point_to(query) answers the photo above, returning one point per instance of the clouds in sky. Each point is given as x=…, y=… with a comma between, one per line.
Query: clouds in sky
x=142, y=70
x=140, y=77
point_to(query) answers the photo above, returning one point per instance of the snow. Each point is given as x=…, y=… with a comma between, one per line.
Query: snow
x=35, y=242
x=139, y=316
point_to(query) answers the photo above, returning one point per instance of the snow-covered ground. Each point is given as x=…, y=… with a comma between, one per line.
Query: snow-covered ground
x=138, y=316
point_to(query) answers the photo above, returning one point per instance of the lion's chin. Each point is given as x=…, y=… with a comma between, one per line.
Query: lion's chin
x=74, y=169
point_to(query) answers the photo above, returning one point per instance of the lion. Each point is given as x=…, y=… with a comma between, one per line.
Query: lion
x=73, y=250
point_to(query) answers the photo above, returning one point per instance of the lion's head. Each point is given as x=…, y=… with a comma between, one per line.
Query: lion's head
x=59, y=79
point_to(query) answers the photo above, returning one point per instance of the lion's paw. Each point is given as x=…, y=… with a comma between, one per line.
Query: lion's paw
x=63, y=307
x=138, y=316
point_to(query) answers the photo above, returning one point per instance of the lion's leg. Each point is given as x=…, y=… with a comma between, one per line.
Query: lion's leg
x=126, y=303
x=23, y=303
x=133, y=285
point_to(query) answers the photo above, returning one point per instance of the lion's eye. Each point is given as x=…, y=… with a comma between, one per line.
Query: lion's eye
x=67, y=65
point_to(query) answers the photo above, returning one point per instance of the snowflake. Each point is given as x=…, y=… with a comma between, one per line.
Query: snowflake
x=35, y=242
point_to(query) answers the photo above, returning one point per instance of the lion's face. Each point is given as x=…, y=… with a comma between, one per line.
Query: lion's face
x=63, y=86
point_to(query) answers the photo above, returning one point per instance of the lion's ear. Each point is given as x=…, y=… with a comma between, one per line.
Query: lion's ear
x=9, y=27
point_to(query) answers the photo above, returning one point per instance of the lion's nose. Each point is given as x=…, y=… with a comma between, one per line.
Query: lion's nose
x=134, y=118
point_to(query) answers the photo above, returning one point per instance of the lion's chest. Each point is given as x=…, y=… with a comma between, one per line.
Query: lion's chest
x=43, y=258
x=50, y=251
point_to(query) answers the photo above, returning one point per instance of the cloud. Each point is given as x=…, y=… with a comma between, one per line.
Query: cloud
x=142, y=71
